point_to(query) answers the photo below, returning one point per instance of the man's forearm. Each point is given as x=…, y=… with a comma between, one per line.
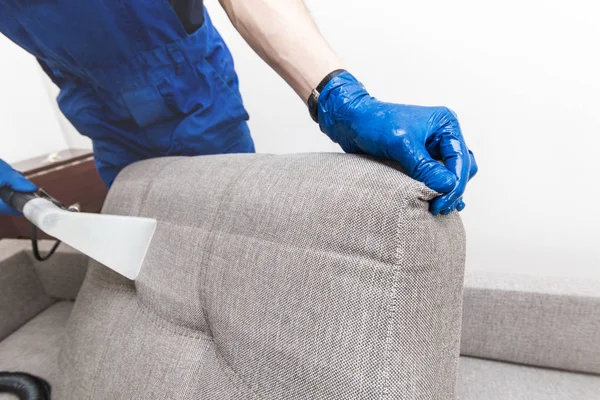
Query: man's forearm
x=283, y=34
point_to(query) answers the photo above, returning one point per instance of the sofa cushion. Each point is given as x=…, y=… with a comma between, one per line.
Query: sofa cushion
x=315, y=276
x=34, y=347
x=62, y=274
x=22, y=294
x=541, y=321
x=494, y=380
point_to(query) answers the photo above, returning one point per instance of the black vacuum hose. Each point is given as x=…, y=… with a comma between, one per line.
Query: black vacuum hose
x=24, y=386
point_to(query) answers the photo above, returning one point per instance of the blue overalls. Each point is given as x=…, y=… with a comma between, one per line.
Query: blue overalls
x=132, y=79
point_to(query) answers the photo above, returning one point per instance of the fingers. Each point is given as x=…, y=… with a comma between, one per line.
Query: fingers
x=14, y=179
x=422, y=167
x=4, y=209
x=19, y=183
x=460, y=205
x=457, y=158
x=433, y=147
x=474, y=167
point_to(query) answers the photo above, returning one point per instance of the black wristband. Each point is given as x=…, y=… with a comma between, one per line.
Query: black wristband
x=313, y=99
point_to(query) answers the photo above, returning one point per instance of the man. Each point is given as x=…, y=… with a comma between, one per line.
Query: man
x=151, y=78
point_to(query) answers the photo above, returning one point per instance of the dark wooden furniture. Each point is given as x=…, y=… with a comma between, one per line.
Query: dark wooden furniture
x=70, y=176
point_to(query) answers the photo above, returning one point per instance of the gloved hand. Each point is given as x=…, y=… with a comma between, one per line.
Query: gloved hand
x=412, y=135
x=14, y=179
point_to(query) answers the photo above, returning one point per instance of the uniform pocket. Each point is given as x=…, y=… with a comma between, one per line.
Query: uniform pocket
x=147, y=106
x=155, y=121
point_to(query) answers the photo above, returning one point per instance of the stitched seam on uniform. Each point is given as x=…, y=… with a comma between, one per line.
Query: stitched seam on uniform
x=393, y=300
x=129, y=25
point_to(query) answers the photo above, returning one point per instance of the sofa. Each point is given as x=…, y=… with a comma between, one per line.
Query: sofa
x=310, y=276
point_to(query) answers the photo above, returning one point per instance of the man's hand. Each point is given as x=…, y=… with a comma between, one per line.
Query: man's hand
x=417, y=137
x=15, y=180
x=283, y=33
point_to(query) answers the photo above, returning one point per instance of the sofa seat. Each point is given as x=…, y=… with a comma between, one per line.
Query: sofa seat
x=495, y=380
x=36, y=299
x=34, y=347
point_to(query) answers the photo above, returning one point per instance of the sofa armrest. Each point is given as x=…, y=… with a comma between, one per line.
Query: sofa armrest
x=28, y=287
x=541, y=321
x=22, y=294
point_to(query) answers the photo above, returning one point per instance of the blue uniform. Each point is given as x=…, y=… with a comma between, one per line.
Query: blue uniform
x=133, y=79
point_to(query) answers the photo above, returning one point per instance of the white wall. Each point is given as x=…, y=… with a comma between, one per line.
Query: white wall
x=524, y=77
x=28, y=125
x=73, y=138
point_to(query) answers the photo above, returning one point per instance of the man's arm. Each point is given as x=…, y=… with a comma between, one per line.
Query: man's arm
x=283, y=34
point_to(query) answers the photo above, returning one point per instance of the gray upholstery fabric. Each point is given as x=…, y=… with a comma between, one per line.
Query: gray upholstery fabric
x=10, y=247
x=22, y=295
x=547, y=322
x=63, y=273
x=34, y=347
x=315, y=276
x=493, y=380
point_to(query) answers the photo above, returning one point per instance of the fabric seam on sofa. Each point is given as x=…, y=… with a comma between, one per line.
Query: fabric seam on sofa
x=102, y=358
x=540, y=367
x=150, y=185
x=114, y=288
x=202, y=298
x=50, y=299
x=171, y=327
x=393, y=300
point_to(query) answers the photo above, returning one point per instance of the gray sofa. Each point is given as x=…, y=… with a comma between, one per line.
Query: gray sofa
x=530, y=338
x=315, y=276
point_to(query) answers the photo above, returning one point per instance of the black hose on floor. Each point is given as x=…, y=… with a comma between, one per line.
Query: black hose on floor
x=24, y=386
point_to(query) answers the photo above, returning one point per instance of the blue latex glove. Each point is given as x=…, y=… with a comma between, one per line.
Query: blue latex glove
x=412, y=135
x=14, y=179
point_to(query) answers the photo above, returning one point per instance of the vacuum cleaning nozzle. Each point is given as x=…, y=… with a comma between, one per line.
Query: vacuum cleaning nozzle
x=119, y=242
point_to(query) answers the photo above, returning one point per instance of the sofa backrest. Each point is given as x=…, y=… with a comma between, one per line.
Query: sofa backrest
x=313, y=276
x=543, y=321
